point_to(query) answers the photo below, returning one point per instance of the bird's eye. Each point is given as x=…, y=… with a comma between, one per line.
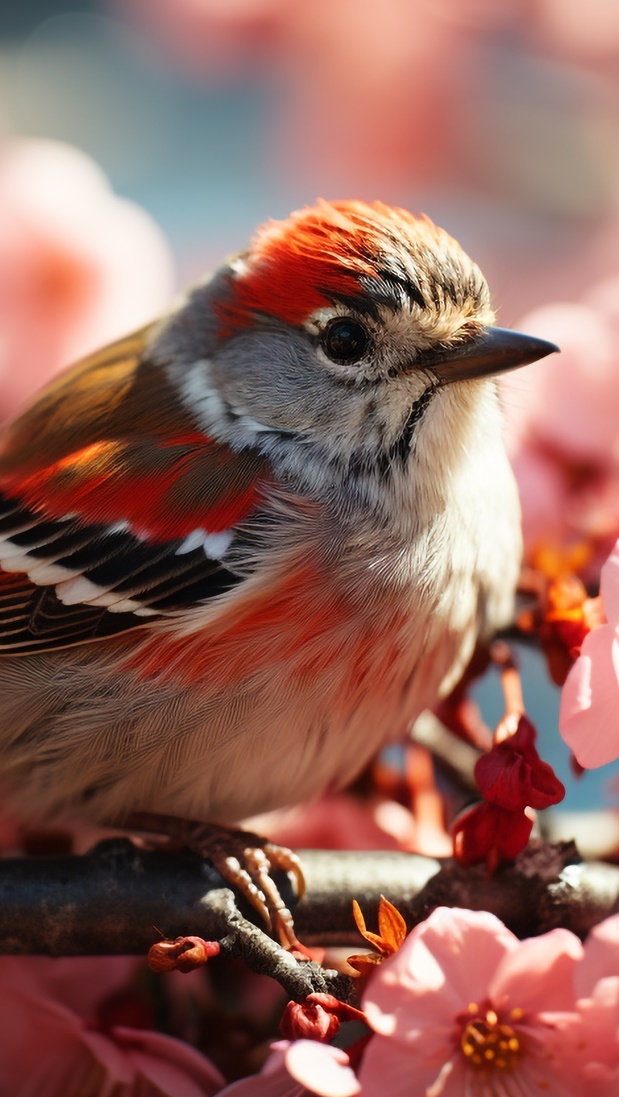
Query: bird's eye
x=344, y=340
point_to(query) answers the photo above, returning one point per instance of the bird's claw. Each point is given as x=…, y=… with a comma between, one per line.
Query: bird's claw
x=247, y=861
x=243, y=858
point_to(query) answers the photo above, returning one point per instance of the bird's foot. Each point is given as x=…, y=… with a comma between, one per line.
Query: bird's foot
x=244, y=859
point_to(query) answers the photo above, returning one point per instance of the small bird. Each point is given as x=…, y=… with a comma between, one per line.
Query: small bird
x=244, y=547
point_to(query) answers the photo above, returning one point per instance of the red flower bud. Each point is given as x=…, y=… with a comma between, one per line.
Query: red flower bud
x=316, y=1018
x=513, y=776
x=491, y=834
x=308, y=1021
x=182, y=954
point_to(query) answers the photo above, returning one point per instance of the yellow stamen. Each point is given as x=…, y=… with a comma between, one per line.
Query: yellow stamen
x=488, y=1043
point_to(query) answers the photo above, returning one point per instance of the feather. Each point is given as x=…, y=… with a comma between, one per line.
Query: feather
x=114, y=509
x=333, y=251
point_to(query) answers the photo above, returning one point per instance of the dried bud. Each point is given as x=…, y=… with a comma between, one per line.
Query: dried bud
x=513, y=776
x=182, y=954
x=391, y=934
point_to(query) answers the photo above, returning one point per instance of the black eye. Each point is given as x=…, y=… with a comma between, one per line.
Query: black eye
x=344, y=340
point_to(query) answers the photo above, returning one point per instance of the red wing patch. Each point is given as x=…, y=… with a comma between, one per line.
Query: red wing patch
x=114, y=510
x=161, y=490
x=110, y=442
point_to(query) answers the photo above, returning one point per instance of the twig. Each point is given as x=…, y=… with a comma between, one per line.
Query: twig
x=455, y=757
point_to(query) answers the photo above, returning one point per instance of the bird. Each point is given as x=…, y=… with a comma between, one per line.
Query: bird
x=244, y=547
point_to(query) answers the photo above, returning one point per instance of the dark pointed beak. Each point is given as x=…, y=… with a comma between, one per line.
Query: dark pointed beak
x=494, y=350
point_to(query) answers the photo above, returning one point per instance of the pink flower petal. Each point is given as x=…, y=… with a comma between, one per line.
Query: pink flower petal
x=543, y=496
x=169, y=1065
x=601, y=957
x=292, y=1067
x=445, y=963
x=44, y=1049
x=47, y=1049
x=79, y=266
x=609, y=586
x=278, y=1084
x=273, y=1080
x=81, y=983
x=570, y=400
x=589, y=711
x=538, y=975
x=390, y=1068
x=323, y=1069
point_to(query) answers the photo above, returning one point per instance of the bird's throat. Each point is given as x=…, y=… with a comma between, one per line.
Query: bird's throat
x=400, y=449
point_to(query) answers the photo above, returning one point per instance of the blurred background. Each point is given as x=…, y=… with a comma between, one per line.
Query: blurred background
x=143, y=140
x=498, y=120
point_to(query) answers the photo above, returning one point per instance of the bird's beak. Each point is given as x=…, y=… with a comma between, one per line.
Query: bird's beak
x=494, y=350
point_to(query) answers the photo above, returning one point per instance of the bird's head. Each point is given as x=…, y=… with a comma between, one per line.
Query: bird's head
x=343, y=325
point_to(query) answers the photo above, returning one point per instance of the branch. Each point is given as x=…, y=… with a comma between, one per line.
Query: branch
x=119, y=898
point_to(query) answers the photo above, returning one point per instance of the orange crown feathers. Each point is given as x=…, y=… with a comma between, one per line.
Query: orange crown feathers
x=319, y=253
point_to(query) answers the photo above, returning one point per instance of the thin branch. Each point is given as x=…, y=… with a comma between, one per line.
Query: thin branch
x=455, y=757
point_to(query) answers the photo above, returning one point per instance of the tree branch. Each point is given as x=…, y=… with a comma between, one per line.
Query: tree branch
x=120, y=899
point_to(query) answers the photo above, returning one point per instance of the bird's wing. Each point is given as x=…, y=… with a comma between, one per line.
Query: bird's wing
x=114, y=509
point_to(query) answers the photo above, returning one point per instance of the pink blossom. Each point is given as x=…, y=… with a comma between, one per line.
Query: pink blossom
x=588, y=715
x=336, y=821
x=79, y=266
x=561, y=422
x=289, y=1066
x=570, y=400
x=597, y=988
x=387, y=76
x=589, y=34
x=57, y=1036
x=345, y=821
x=464, y=1006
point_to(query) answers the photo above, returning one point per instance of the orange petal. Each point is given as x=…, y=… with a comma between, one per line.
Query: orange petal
x=391, y=924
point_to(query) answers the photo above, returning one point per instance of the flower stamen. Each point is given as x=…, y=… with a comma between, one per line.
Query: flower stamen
x=488, y=1043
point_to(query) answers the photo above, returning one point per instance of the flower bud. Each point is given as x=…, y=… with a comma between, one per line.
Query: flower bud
x=490, y=833
x=308, y=1021
x=182, y=954
x=513, y=776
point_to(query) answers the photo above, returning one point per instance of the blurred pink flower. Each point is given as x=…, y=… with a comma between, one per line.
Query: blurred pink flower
x=327, y=1069
x=572, y=399
x=562, y=425
x=589, y=711
x=597, y=988
x=79, y=266
x=346, y=820
x=586, y=33
x=377, y=85
x=58, y=1036
x=340, y=821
